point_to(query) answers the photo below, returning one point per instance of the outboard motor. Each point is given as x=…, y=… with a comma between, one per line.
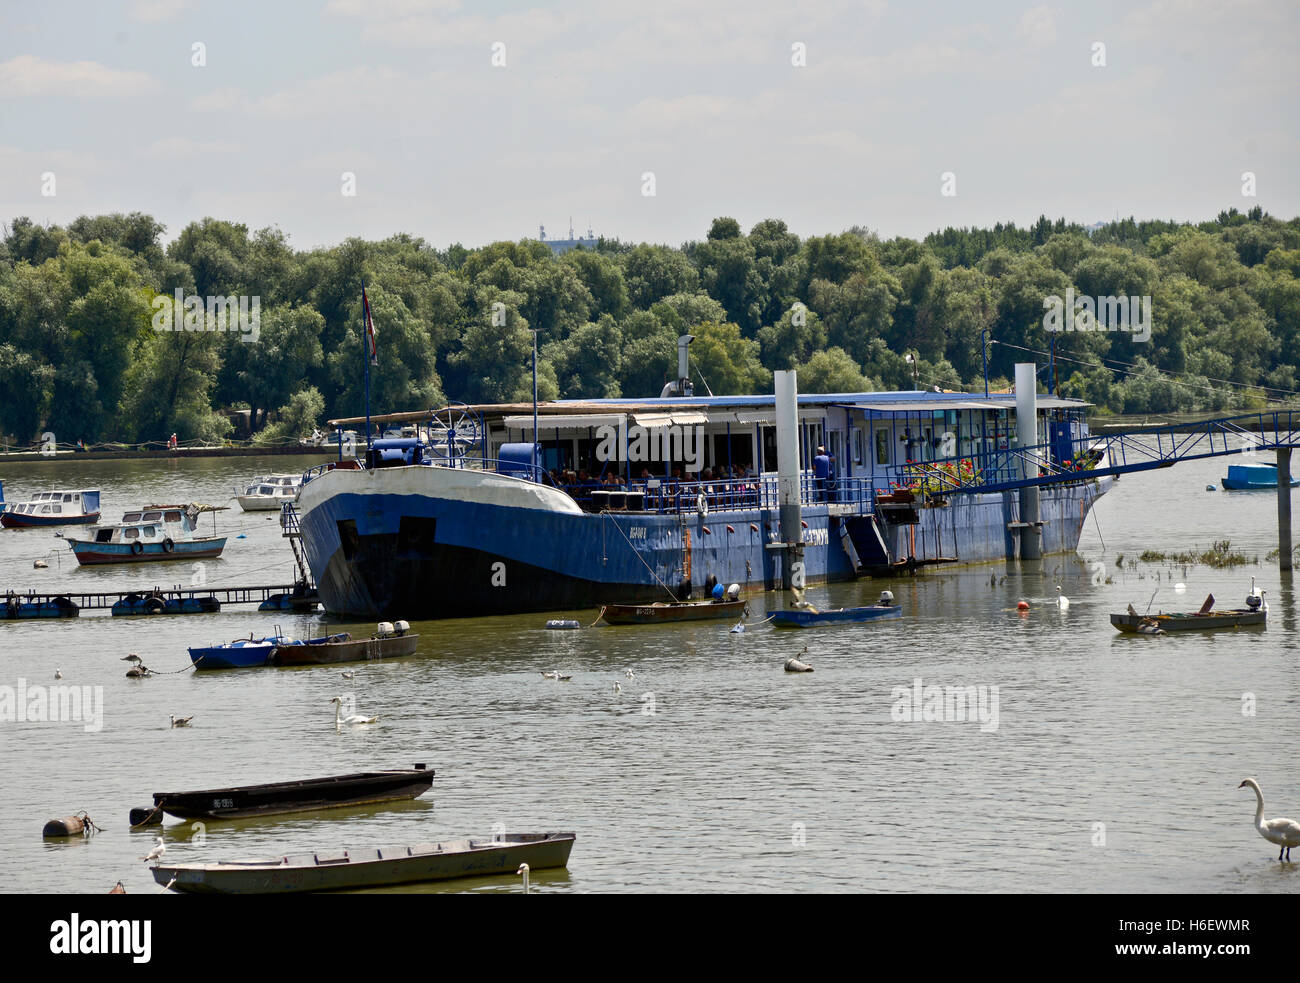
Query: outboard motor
x=886, y=599
x=1253, y=597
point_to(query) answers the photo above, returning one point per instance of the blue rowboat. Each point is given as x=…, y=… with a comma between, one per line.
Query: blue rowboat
x=1253, y=477
x=135, y=604
x=242, y=653
x=806, y=618
x=57, y=607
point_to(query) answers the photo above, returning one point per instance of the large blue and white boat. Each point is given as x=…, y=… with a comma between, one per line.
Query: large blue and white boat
x=635, y=500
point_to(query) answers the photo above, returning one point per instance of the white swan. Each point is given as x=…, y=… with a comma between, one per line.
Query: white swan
x=523, y=869
x=1284, y=832
x=352, y=720
x=1062, y=601
x=157, y=852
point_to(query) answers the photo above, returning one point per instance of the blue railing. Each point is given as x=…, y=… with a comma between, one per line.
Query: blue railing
x=1095, y=456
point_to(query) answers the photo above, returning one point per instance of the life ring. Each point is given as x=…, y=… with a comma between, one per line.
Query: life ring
x=155, y=605
x=168, y=545
x=702, y=504
x=137, y=548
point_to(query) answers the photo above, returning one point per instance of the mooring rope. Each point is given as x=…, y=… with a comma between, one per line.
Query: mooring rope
x=666, y=588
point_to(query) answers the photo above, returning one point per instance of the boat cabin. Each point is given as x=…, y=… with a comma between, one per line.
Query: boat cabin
x=645, y=455
x=172, y=522
x=53, y=504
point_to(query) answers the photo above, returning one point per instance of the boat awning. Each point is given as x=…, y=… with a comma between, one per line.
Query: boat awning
x=554, y=421
x=681, y=419
x=936, y=405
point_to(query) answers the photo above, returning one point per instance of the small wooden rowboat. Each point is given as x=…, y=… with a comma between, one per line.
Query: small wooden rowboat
x=277, y=798
x=351, y=869
x=812, y=618
x=1195, y=621
x=660, y=612
x=1206, y=619
x=343, y=648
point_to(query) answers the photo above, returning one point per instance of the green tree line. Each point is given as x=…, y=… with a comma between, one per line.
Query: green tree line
x=80, y=354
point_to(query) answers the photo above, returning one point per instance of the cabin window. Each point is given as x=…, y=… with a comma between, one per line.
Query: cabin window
x=152, y=516
x=856, y=439
x=45, y=510
x=131, y=533
x=882, y=446
x=173, y=517
x=104, y=536
x=67, y=498
x=150, y=531
x=131, y=517
x=58, y=509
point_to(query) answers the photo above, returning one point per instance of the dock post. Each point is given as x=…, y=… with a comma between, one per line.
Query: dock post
x=1031, y=545
x=1284, y=508
x=787, y=469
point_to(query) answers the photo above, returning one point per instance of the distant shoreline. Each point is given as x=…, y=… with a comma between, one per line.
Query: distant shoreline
x=163, y=453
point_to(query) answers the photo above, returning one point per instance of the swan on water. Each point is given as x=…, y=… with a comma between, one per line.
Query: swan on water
x=523, y=870
x=630, y=674
x=1285, y=833
x=352, y=719
x=181, y=721
x=157, y=852
x=1062, y=601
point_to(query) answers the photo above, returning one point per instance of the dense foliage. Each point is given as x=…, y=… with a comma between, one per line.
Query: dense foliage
x=80, y=356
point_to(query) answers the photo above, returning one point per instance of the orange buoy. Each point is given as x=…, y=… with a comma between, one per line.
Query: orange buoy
x=1022, y=606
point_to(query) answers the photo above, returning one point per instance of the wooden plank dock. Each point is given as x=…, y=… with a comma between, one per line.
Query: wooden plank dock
x=94, y=600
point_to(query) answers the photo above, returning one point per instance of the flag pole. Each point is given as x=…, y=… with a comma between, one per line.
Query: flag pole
x=365, y=348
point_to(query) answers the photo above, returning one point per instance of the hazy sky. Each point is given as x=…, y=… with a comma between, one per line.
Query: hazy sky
x=593, y=94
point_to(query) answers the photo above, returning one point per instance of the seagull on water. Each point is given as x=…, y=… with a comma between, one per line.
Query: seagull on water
x=1062, y=601
x=181, y=721
x=157, y=852
x=1284, y=833
x=617, y=687
x=58, y=673
x=349, y=675
x=551, y=675
x=630, y=674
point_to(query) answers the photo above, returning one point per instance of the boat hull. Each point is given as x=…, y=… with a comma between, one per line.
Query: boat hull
x=388, y=866
x=248, y=656
x=358, y=650
x=842, y=616
x=412, y=542
x=260, y=503
x=94, y=554
x=1242, y=618
x=654, y=614
x=19, y=520
x=277, y=798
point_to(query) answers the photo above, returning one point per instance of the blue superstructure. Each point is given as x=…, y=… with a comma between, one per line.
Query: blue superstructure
x=636, y=500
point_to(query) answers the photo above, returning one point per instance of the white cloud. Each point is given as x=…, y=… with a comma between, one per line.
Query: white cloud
x=28, y=75
x=154, y=11
x=1038, y=25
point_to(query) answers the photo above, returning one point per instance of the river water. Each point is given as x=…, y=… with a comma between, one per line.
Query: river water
x=1113, y=765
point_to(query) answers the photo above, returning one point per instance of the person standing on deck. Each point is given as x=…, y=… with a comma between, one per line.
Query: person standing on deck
x=821, y=472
